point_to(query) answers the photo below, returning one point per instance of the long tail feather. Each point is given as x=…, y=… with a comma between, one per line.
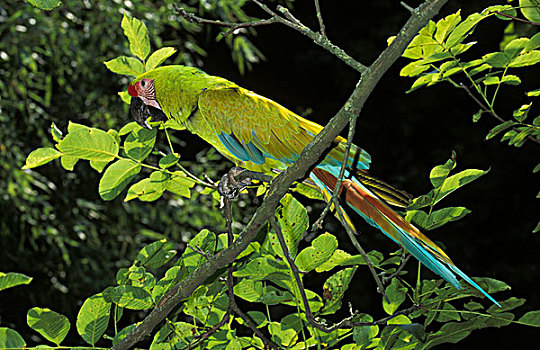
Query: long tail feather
x=378, y=214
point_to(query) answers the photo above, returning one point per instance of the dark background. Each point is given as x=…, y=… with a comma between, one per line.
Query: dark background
x=406, y=135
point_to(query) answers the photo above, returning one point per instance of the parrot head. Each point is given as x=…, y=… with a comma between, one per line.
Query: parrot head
x=144, y=104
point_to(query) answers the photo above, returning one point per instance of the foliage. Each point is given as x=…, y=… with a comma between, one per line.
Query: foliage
x=52, y=71
x=262, y=277
x=435, y=52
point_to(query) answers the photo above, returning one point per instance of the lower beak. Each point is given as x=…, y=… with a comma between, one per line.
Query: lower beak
x=141, y=112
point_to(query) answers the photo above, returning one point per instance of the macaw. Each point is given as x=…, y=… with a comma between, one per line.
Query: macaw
x=260, y=135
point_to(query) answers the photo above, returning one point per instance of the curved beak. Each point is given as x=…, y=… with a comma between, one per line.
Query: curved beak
x=140, y=111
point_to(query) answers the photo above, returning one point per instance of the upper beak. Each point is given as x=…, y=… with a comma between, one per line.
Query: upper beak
x=141, y=112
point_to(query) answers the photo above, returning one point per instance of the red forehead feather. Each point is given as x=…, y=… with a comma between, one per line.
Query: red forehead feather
x=132, y=90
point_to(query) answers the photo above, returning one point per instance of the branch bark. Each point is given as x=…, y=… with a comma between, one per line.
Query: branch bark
x=280, y=185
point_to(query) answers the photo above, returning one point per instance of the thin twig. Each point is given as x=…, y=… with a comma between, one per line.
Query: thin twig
x=317, y=38
x=410, y=9
x=335, y=193
x=404, y=258
x=350, y=233
x=198, y=250
x=490, y=111
x=517, y=18
x=319, y=17
x=190, y=17
x=296, y=274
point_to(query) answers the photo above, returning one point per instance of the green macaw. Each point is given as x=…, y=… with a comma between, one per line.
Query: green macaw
x=260, y=135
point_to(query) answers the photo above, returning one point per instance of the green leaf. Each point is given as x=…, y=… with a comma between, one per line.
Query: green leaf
x=68, y=162
x=140, y=143
x=280, y=336
x=321, y=250
x=173, y=275
x=492, y=80
x=497, y=59
x=117, y=177
x=258, y=318
x=341, y=258
x=129, y=127
x=98, y=165
x=13, y=279
x=125, y=66
x=464, y=29
x=534, y=93
x=334, y=289
x=396, y=296
x=492, y=285
x=439, y=173
x=456, y=181
x=534, y=43
x=51, y=325
x=145, y=190
x=511, y=80
x=45, y=4
x=531, y=318
x=156, y=254
x=90, y=144
x=527, y=59
x=41, y=156
x=477, y=115
x=530, y=9
x=307, y=191
x=294, y=221
x=537, y=228
x=364, y=335
x=124, y=95
x=521, y=113
x=180, y=184
x=158, y=57
x=248, y=289
x=413, y=69
x=206, y=241
x=446, y=25
x=93, y=318
x=131, y=297
x=263, y=268
x=423, y=80
x=168, y=161
x=416, y=329
x=501, y=127
x=436, y=218
x=123, y=333
x=56, y=133
x=10, y=339
x=137, y=34
x=273, y=296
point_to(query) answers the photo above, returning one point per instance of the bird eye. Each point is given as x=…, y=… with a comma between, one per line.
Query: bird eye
x=143, y=83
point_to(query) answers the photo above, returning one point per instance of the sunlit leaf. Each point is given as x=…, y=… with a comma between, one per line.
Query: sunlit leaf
x=334, y=289
x=456, y=181
x=140, y=143
x=531, y=318
x=13, y=279
x=321, y=250
x=90, y=144
x=530, y=9
x=248, y=289
x=156, y=254
x=396, y=296
x=51, y=325
x=125, y=66
x=117, y=177
x=10, y=339
x=131, y=297
x=137, y=34
x=41, y=156
x=45, y=4
x=158, y=56
x=93, y=318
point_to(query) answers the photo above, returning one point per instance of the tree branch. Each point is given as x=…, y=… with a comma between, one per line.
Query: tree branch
x=280, y=185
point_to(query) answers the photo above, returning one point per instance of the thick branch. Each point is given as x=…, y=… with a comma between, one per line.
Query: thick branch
x=298, y=170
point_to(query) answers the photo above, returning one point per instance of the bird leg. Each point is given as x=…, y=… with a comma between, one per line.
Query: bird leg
x=237, y=179
x=232, y=183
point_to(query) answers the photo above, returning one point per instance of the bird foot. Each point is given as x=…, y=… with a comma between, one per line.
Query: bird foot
x=232, y=183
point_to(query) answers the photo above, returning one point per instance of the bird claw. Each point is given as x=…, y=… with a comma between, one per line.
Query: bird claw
x=230, y=185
